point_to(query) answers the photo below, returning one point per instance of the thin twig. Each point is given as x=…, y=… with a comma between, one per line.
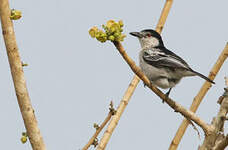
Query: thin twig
x=131, y=88
x=24, y=102
x=198, y=98
x=194, y=127
x=97, y=131
x=99, y=128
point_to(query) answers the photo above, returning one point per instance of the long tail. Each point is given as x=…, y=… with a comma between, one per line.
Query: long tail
x=202, y=76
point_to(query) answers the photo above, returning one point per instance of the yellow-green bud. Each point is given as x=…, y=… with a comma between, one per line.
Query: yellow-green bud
x=117, y=34
x=112, y=29
x=15, y=14
x=121, y=38
x=103, y=35
x=110, y=23
x=97, y=34
x=93, y=31
x=121, y=23
x=24, y=134
x=23, y=139
x=103, y=39
x=111, y=38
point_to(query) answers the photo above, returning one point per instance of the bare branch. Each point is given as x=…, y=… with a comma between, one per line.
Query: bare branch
x=24, y=102
x=194, y=127
x=177, y=107
x=164, y=15
x=99, y=128
x=222, y=144
x=198, y=98
x=214, y=139
x=131, y=88
x=226, y=79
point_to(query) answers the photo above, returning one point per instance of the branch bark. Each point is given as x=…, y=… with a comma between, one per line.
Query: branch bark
x=198, y=98
x=216, y=139
x=222, y=144
x=97, y=131
x=93, y=138
x=24, y=102
x=132, y=86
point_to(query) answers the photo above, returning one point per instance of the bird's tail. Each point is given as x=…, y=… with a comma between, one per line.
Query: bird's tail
x=202, y=76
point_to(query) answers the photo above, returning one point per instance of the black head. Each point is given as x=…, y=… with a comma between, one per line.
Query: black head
x=153, y=33
x=148, y=34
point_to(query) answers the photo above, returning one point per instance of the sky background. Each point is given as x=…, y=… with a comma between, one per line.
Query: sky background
x=72, y=78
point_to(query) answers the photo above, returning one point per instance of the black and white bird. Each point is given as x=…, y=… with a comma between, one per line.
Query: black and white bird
x=163, y=68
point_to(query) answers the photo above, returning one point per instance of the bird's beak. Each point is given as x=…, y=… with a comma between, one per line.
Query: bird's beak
x=137, y=34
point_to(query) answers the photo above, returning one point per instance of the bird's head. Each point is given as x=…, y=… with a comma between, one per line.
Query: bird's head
x=149, y=38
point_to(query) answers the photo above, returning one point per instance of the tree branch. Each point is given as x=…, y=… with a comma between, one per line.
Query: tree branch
x=222, y=144
x=164, y=15
x=99, y=129
x=177, y=107
x=131, y=88
x=199, y=97
x=216, y=138
x=24, y=102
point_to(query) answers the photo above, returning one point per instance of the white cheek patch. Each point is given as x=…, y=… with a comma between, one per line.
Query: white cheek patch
x=154, y=41
x=151, y=41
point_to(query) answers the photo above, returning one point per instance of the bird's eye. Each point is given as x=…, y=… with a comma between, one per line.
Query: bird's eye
x=148, y=35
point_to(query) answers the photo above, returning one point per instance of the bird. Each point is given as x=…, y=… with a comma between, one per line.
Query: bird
x=162, y=67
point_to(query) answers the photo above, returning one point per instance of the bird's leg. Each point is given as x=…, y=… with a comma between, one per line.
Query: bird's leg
x=167, y=94
x=144, y=84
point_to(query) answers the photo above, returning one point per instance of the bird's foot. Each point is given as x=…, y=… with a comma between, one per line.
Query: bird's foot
x=166, y=95
x=144, y=84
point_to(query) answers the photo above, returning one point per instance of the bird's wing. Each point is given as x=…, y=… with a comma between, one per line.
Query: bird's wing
x=162, y=57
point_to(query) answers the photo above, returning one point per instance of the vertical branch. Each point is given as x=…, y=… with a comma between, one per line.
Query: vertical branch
x=131, y=88
x=164, y=15
x=27, y=111
x=198, y=99
x=216, y=139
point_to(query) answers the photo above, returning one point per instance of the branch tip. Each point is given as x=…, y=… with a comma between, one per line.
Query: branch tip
x=24, y=64
x=96, y=126
x=112, y=109
x=95, y=142
x=226, y=81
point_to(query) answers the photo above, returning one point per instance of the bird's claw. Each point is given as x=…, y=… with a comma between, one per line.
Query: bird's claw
x=166, y=95
x=144, y=84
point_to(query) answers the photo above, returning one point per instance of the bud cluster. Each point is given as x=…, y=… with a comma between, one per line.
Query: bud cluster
x=112, y=31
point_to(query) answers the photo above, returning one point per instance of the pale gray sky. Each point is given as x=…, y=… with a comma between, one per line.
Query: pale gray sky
x=72, y=78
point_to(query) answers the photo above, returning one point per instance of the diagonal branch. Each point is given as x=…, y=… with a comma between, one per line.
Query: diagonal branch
x=24, y=102
x=98, y=131
x=177, y=107
x=198, y=99
x=112, y=111
x=131, y=88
